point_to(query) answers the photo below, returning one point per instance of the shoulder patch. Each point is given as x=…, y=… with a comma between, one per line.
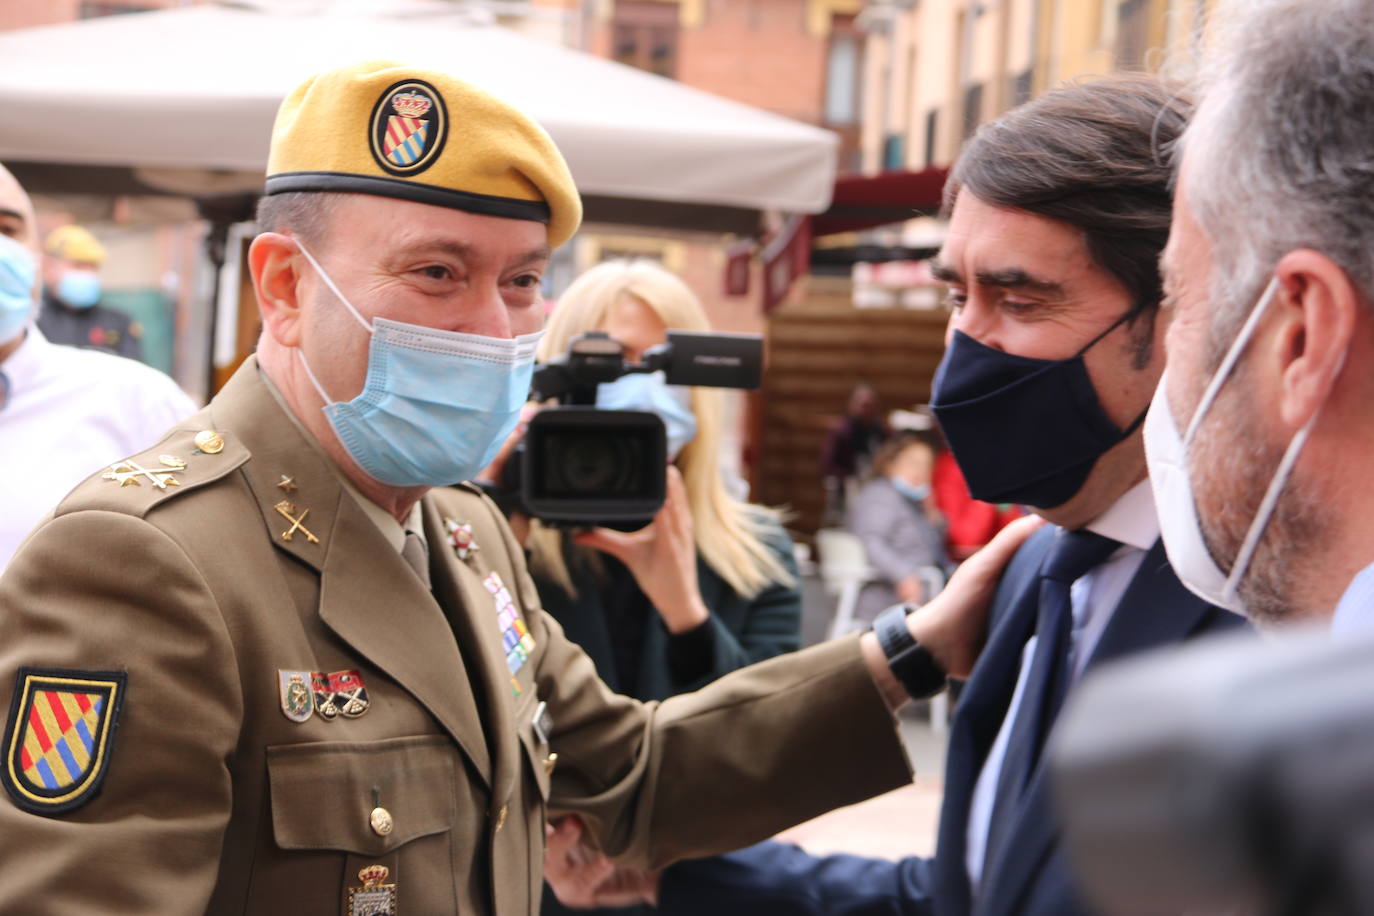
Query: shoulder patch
x=59, y=736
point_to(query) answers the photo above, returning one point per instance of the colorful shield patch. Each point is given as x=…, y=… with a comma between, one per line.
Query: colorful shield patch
x=59, y=736
x=409, y=126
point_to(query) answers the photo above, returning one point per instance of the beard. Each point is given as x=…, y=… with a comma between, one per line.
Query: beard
x=1233, y=477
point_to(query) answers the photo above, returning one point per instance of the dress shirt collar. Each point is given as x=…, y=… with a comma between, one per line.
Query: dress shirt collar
x=27, y=363
x=1355, y=611
x=1131, y=519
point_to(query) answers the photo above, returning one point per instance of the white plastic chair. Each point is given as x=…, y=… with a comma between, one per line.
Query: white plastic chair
x=845, y=571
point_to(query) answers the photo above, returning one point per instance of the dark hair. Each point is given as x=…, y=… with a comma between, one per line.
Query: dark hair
x=1095, y=155
x=898, y=443
x=304, y=214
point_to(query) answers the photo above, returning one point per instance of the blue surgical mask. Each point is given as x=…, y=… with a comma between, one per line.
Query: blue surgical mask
x=436, y=405
x=1022, y=430
x=651, y=392
x=911, y=491
x=78, y=289
x=17, y=272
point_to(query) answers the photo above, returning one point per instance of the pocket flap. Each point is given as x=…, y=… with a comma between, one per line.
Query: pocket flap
x=323, y=793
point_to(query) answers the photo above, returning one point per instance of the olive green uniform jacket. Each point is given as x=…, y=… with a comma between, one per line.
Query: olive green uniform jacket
x=207, y=794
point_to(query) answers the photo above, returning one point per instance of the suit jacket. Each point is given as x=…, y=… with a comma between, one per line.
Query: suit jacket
x=216, y=785
x=1030, y=875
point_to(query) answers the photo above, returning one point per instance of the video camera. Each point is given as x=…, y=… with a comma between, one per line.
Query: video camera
x=581, y=465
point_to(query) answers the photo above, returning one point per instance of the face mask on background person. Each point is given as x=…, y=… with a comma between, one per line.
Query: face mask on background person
x=650, y=391
x=436, y=405
x=1022, y=430
x=78, y=289
x=17, y=272
x=913, y=492
x=1166, y=454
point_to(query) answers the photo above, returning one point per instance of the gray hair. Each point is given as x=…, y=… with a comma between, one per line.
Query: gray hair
x=1281, y=150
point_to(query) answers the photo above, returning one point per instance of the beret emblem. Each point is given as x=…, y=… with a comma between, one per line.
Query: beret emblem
x=409, y=125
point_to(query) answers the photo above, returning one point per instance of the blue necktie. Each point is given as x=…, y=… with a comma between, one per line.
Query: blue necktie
x=1074, y=555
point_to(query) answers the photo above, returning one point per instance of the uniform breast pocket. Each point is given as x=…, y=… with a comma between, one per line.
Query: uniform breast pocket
x=385, y=810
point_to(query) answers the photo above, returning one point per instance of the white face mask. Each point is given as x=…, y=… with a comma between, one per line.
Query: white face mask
x=1166, y=454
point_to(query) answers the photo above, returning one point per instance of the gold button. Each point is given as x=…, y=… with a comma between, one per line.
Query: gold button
x=550, y=762
x=381, y=821
x=209, y=442
x=501, y=816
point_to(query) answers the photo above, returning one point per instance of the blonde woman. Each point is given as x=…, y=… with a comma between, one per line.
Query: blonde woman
x=710, y=586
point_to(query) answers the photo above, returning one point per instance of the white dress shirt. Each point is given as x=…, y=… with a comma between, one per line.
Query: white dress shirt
x=65, y=414
x=1130, y=520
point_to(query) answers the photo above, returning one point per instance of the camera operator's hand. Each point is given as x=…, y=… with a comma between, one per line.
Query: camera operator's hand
x=662, y=557
x=582, y=877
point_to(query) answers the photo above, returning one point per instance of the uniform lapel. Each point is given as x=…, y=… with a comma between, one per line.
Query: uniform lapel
x=471, y=611
x=1155, y=610
x=376, y=603
x=981, y=710
x=368, y=596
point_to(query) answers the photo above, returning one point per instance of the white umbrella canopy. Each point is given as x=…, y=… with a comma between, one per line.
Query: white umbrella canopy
x=175, y=93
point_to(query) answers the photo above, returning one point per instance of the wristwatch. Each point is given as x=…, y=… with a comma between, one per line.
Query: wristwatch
x=910, y=662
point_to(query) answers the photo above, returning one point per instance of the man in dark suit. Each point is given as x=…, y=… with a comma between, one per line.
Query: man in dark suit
x=1058, y=213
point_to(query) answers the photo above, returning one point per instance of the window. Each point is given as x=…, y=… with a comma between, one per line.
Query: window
x=894, y=152
x=1132, y=34
x=90, y=9
x=973, y=108
x=645, y=35
x=842, y=79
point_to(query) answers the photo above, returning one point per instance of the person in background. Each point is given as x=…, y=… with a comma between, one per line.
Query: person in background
x=849, y=447
x=72, y=313
x=63, y=411
x=648, y=638
x=895, y=516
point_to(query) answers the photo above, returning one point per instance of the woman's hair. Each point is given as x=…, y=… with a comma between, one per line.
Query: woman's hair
x=895, y=445
x=727, y=531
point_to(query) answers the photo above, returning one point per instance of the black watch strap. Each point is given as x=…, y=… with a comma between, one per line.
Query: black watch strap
x=910, y=662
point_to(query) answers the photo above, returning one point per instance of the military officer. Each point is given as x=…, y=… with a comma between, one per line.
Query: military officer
x=262, y=668
x=72, y=313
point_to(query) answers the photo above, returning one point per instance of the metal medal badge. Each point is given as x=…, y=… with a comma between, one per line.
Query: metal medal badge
x=460, y=536
x=340, y=693
x=375, y=897
x=409, y=125
x=59, y=736
x=297, y=700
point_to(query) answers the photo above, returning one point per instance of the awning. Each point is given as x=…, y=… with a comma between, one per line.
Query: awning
x=866, y=201
x=183, y=100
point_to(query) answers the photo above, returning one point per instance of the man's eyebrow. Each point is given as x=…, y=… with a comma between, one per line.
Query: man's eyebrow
x=1016, y=278
x=944, y=272
x=15, y=214
x=462, y=250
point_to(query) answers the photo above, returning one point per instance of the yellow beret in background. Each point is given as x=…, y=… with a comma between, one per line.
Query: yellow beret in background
x=396, y=131
x=73, y=243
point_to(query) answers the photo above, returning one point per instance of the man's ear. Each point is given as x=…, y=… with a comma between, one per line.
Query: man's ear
x=1318, y=306
x=273, y=260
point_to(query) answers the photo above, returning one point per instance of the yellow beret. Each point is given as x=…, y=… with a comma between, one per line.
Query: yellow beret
x=73, y=243
x=396, y=131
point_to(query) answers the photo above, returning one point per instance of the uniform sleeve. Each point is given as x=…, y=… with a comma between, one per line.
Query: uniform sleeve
x=783, y=880
x=772, y=626
x=98, y=591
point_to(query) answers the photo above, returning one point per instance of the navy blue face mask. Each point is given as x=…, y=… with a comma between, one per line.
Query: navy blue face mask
x=1022, y=430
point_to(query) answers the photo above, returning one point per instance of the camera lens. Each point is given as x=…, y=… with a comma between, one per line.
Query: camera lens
x=594, y=465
